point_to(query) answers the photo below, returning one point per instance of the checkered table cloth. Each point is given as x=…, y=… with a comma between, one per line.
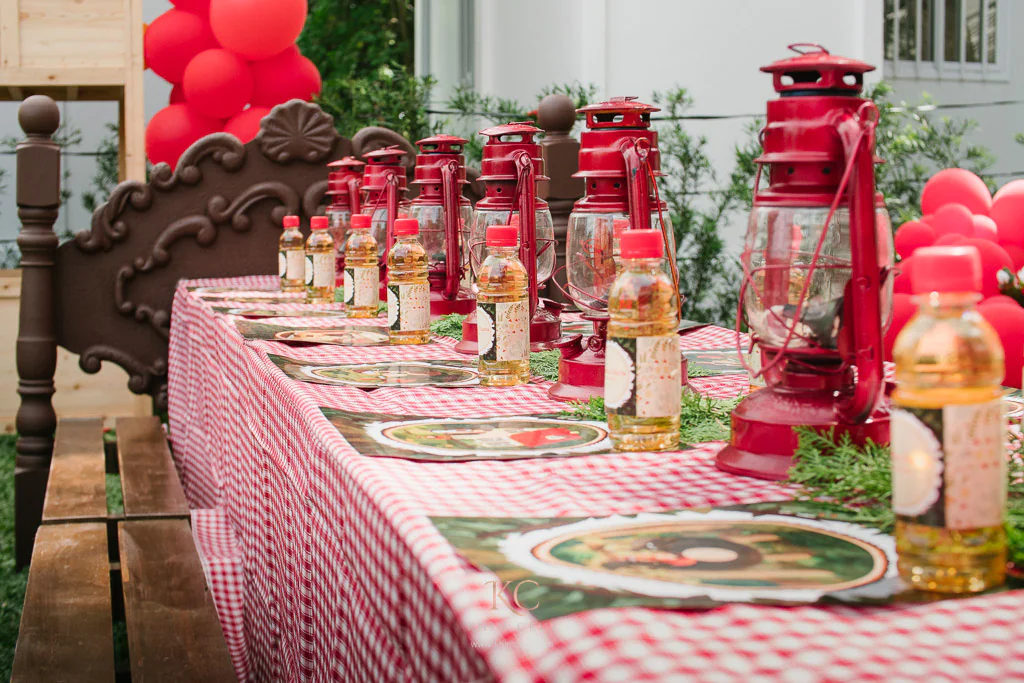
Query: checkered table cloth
x=345, y=578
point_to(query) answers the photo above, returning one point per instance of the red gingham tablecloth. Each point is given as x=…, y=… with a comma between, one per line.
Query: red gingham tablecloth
x=345, y=578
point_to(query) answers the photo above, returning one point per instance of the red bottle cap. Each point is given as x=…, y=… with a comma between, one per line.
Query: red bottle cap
x=946, y=269
x=502, y=236
x=642, y=244
x=407, y=226
x=361, y=221
x=318, y=223
x=290, y=222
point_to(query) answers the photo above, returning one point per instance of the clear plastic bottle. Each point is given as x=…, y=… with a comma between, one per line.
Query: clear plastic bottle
x=362, y=271
x=948, y=430
x=319, y=263
x=643, y=361
x=291, y=252
x=408, y=287
x=503, y=311
x=339, y=218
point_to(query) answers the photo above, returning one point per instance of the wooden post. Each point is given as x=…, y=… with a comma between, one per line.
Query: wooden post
x=556, y=114
x=38, y=198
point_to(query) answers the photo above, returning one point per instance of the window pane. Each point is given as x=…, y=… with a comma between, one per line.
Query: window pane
x=951, y=33
x=928, y=30
x=889, y=27
x=908, y=29
x=990, y=29
x=972, y=28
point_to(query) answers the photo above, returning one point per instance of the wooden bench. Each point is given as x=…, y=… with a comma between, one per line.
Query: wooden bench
x=91, y=568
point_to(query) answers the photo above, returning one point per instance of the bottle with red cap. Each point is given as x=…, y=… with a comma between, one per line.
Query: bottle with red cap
x=408, y=286
x=319, y=263
x=948, y=431
x=643, y=361
x=291, y=252
x=503, y=311
x=361, y=281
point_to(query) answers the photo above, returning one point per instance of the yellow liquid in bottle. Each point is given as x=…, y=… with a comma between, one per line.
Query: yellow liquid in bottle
x=362, y=275
x=408, y=292
x=949, y=363
x=291, y=258
x=320, y=268
x=339, y=221
x=643, y=383
x=503, y=319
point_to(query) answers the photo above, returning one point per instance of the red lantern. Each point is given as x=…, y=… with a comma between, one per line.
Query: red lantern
x=443, y=212
x=511, y=167
x=619, y=160
x=343, y=183
x=383, y=189
x=817, y=268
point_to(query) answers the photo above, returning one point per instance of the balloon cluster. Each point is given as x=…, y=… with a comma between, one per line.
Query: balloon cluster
x=958, y=209
x=230, y=61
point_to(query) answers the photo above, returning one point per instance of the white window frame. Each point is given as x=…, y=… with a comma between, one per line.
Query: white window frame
x=940, y=69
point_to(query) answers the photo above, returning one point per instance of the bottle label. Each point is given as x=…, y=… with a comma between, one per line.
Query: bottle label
x=642, y=376
x=282, y=264
x=323, y=270
x=361, y=286
x=309, y=270
x=503, y=330
x=294, y=264
x=949, y=465
x=409, y=307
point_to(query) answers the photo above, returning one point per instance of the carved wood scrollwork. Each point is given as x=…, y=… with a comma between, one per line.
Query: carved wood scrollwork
x=294, y=130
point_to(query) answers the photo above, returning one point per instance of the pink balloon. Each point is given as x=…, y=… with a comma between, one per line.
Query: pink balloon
x=177, y=94
x=257, y=29
x=246, y=125
x=993, y=259
x=913, y=235
x=902, y=284
x=1016, y=255
x=1001, y=300
x=284, y=77
x=985, y=228
x=955, y=186
x=173, y=40
x=218, y=83
x=1008, y=213
x=950, y=240
x=1012, y=187
x=952, y=219
x=1008, y=322
x=903, y=309
x=200, y=7
x=172, y=130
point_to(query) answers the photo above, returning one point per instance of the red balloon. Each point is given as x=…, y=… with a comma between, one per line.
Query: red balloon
x=950, y=240
x=985, y=228
x=284, y=77
x=903, y=309
x=177, y=94
x=200, y=7
x=173, y=40
x=257, y=29
x=1016, y=255
x=1012, y=187
x=913, y=235
x=244, y=126
x=955, y=186
x=218, y=84
x=173, y=129
x=1008, y=213
x=902, y=284
x=1008, y=322
x=1001, y=300
x=952, y=219
x=993, y=259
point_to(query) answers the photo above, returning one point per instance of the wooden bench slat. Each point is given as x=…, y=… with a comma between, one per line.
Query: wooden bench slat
x=148, y=477
x=174, y=633
x=76, y=489
x=66, y=632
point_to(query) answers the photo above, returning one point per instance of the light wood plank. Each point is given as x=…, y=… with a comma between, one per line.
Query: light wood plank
x=148, y=477
x=66, y=632
x=174, y=633
x=76, y=489
x=10, y=34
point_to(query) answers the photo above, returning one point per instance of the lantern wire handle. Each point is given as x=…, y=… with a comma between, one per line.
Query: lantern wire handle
x=673, y=263
x=791, y=329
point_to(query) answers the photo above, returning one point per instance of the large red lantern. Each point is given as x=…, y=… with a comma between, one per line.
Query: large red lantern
x=511, y=167
x=817, y=268
x=383, y=189
x=619, y=162
x=343, y=183
x=443, y=214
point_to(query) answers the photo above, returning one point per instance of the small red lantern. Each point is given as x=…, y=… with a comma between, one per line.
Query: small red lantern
x=443, y=214
x=511, y=167
x=383, y=190
x=817, y=264
x=343, y=182
x=619, y=162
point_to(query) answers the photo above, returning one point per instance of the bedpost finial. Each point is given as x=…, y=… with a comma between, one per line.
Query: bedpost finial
x=39, y=115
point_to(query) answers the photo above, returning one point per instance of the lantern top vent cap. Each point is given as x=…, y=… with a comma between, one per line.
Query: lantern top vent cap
x=441, y=144
x=347, y=163
x=618, y=112
x=817, y=71
x=386, y=155
x=512, y=128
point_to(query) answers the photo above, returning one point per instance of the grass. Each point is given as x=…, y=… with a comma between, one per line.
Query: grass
x=12, y=583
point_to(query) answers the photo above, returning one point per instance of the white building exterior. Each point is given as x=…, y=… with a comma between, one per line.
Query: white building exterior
x=714, y=49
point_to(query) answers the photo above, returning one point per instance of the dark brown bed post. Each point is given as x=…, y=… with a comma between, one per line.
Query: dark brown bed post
x=38, y=197
x=556, y=114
